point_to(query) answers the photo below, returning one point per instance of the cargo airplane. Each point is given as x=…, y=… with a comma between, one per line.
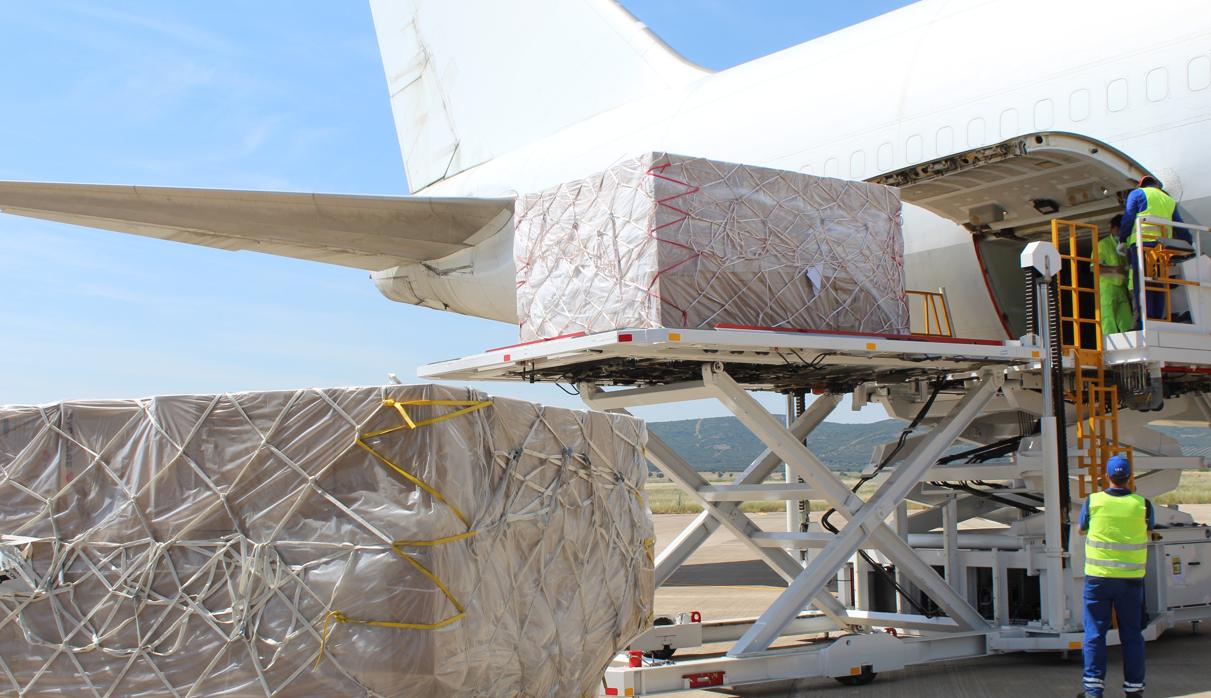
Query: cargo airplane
x=992, y=117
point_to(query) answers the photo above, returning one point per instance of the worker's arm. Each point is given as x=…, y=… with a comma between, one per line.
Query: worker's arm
x=1084, y=520
x=1151, y=514
x=1136, y=201
x=1181, y=233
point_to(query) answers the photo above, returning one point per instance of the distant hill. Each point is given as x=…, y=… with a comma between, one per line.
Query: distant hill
x=721, y=444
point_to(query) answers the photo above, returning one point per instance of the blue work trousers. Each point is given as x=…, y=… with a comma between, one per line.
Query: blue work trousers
x=1125, y=597
x=1154, y=300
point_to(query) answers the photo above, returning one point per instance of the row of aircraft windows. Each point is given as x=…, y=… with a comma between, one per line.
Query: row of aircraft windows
x=1156, y=89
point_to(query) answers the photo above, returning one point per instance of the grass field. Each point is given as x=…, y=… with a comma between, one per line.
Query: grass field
x=666, y=498
x=1195, y=489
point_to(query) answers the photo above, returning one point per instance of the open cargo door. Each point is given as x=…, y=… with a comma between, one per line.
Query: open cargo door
x=1006, y=195
x=1016, y=187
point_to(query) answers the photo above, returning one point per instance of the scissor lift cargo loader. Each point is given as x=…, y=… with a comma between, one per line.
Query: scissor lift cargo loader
x=957, y=593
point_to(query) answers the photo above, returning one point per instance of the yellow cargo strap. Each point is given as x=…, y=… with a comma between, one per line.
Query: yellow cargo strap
x=466, y=407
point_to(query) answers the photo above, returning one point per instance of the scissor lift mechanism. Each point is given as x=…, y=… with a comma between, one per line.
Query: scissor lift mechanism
x=657, y=366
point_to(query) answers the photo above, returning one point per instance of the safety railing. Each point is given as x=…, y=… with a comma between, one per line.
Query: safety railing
x=934, y=312
x=1083, y=310
x=1156, y=250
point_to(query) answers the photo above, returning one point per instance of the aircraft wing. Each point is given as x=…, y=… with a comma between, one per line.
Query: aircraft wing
x=365, y=232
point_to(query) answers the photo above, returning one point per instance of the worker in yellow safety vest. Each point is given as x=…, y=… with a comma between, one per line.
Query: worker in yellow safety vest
x=1150, y=199
x=1115, y=523
x=1113, y=283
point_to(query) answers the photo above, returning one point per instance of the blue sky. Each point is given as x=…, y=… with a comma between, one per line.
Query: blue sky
x=265, y=95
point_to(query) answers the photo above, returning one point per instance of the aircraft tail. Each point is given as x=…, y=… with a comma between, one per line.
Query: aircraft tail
x=475, y=79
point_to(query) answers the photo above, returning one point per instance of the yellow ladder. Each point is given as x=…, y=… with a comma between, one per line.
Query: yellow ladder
x=935, y=313
x=1096, y=401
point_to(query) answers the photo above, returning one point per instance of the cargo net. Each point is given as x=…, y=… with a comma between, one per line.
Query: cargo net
x=409, y=540
x=669, y=241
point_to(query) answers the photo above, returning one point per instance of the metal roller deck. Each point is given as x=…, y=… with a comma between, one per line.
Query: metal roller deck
x=757, y=358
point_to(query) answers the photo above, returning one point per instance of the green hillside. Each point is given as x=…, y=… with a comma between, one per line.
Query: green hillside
x=721, y=444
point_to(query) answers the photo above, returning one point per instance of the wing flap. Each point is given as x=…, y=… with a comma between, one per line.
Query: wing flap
x=365, y=232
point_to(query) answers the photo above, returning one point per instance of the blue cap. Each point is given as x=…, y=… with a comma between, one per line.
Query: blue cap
x=1118, y=468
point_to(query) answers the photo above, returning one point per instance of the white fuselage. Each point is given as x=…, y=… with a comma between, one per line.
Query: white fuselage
x=929, y=80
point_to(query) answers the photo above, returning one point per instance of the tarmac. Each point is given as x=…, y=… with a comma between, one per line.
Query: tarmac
x=725, y=580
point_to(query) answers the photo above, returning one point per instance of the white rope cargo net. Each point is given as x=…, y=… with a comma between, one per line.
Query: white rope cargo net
x=399, y=541
x=669, y=241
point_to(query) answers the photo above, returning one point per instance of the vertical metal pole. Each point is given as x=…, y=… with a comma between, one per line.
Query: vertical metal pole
x=901, y=521
x=1140, y=284
x=1000, y=589
x=950, y=540
x=862, y=576
x=792, y=506
x=950, y=326
x=804, y=507
x=798, y=512
x=1055, y=604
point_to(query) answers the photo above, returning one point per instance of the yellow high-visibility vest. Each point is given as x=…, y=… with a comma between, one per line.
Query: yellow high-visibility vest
x=1161, y=205
x=1116, y=544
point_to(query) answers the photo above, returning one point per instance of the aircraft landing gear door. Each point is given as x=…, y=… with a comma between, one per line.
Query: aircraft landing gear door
x=1005, y=196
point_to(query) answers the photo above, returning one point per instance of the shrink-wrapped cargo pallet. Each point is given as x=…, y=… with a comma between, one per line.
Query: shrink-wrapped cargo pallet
x=672, y=241
x=399, y=541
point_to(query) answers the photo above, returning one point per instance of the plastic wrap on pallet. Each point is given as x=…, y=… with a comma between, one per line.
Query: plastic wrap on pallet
x=319, y=542
x=672, y=241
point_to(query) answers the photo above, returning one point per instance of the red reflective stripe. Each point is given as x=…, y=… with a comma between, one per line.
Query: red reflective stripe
x=1186, y=369
x=704, y=679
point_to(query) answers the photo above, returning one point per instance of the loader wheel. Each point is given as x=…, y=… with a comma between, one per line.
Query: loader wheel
x=867, y=676
x=668, y=652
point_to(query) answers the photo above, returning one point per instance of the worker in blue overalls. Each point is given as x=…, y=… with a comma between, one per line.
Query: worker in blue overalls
x=1116, y=524
x=1150, y=199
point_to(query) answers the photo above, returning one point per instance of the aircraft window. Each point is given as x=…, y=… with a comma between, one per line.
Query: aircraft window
x=857, y=165
x=1044, y=114
x=975, y=132
x=914, y=149
x=1157, y=83
x=946, y=140
x=884, y=157
x=831, y=168
x=1198, y=73
x=1116, y=95
x=1009, y=123
x=1078, y=105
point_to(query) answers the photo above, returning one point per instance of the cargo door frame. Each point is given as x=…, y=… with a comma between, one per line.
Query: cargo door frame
x=1011, y=190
